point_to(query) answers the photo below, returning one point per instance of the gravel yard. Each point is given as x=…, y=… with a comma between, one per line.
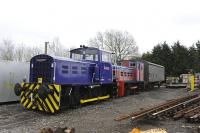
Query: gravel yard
x=95, y=118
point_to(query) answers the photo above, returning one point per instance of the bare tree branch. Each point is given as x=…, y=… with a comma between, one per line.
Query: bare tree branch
x=20, y=52
x=57, y=48
x=120, y=43
x=7, y=49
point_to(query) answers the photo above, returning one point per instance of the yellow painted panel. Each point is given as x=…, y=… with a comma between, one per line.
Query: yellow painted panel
x=192, y=82
x=39, y=80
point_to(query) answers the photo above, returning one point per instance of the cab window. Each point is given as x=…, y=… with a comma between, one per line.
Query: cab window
x=106, y=56
x=76, y=56
x=85, y=54
x=91, y=54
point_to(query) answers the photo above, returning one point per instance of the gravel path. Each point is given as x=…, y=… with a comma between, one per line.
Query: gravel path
x=94, y=118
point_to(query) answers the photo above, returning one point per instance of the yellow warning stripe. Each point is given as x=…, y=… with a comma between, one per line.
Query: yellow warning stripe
x=57, y=87
x=57, y=97
x=37, y=86
x=39, y=107
x=22, y=84
x=30, y=88
x=26, y=85
x=45, y=108
x=22, y=99
x=34, y=107
x=94, y=99
x=29, y=105
x=26, y=94
x=22, y=93
x=25, y=102
x=54, y=103
x=49, y=105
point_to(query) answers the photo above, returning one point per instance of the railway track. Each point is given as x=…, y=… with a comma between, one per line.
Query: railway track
x=187, y=107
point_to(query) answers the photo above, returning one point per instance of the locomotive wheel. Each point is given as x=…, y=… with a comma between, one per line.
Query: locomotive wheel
x=17, y=89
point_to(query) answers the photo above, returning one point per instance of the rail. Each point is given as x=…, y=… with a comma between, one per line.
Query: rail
x=187, y=107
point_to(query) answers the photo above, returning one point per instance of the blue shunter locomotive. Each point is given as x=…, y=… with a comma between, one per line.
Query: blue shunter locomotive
x=57, y=82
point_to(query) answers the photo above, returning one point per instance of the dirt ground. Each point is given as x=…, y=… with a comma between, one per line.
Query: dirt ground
x=95, y=118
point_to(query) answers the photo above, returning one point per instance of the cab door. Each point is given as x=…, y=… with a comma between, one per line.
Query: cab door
x=105, y=72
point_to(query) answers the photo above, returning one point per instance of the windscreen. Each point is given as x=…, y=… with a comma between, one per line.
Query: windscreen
x=85, y=54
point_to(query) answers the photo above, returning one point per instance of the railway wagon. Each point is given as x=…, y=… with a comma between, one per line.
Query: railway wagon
x=11, y=72
x=154, y=74
x=147, y=73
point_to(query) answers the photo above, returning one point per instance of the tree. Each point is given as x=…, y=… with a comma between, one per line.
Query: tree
x=197, y=46
x=157, y=51
x=7, y=49
x=193, y=58
x=161, y=54
x=167, y=59
x=118, y=42
x=31, y=51
x=20, y=52
x=181, y=59
x=56, y=48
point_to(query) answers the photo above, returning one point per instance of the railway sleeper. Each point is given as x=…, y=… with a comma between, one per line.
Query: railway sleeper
x=154, y=109
x=178, y=106
x=184, y=111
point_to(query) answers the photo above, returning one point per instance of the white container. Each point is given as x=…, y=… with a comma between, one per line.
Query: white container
x=11, y=72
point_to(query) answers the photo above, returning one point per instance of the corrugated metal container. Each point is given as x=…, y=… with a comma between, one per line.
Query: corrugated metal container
x=153, y=72
x=11, y=72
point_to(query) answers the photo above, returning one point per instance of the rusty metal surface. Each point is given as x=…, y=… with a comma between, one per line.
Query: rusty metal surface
x=154, y=108
x=185, y=107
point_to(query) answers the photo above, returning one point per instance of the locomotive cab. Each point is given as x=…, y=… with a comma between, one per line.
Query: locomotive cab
x=102, y=59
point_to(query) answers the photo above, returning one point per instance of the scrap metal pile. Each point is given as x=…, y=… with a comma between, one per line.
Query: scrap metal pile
x=185, y=107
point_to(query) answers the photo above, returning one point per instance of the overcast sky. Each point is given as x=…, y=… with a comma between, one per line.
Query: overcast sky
x=75, y=21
